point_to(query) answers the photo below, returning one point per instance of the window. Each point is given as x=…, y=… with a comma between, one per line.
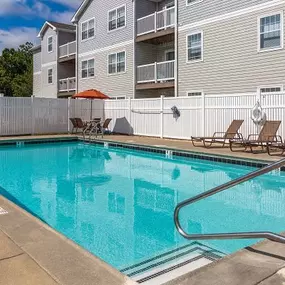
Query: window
x=88, y=29
x=194, y=93
x=117, y=18
x=195, y=47
x=116, y=203
x=87, y=68
x=117, y=62
x=50, y=76
x=190, y=2
x=270, y=89
x=270, y=32
x=50, y=44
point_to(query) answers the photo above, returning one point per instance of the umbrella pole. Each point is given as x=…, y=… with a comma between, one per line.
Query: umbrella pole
x=91, y=115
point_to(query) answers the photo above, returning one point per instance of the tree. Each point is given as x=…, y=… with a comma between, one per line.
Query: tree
x=16, y=71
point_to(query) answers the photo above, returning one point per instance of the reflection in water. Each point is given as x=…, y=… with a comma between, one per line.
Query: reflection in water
x=119, y=204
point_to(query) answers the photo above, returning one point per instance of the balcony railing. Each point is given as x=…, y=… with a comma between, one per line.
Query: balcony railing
x=156, y=72
x=157, y=21
x=67, y=49
x=67, y=84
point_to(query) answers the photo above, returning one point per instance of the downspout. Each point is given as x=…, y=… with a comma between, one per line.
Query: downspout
x=176, y=50
x=134, y=49
x=76, y=56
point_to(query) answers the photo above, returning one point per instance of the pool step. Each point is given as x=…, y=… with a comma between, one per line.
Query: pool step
x=172, y=264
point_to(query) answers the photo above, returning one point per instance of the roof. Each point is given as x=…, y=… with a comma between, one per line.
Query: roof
x=56, y=26
x=79, y=11
x=35, y=48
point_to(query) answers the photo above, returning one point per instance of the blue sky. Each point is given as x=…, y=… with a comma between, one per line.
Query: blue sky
x=21, y=20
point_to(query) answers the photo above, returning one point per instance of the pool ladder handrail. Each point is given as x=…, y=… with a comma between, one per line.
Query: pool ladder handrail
x=235, y=235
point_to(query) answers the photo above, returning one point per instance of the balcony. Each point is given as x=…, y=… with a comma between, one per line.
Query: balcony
x=67, y=51
x=156, y=75
x=67, y=85
x=157, y=25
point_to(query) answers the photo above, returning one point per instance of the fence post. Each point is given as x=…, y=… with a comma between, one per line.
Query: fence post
x=33, y=115
x=68, y=114
x=130, y=115
x=162, y=116
x=203, y=115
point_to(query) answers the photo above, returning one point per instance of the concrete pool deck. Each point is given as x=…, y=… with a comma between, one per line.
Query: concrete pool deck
x=33, y=253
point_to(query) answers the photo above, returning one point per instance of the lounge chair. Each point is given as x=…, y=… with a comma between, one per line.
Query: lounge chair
x=274, y=145
x=77, y=123
x=266, y=135
x=220, y=137
x=100, y=128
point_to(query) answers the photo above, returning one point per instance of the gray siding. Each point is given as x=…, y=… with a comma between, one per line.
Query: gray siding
x=211, y=8
x=66, y=70
x=169, y=92
x=49, y=57
x=99, y=10
x=49, y=90
x=65, y=37
x=37, y=61
x=111, y=85
x=231, y=63
x=148, y=53
x=144, y=8
x=37, y=85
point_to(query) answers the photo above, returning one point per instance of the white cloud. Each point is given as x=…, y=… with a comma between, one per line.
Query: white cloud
x=74, y=4
x=14, y=37
x=14, y=7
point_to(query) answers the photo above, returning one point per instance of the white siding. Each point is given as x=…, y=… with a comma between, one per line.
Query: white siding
x=231, y=63
x=46, y=56
x=111, y=85
x=49, y=90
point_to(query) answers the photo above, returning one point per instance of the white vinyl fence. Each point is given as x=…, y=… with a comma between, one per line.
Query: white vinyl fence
x=25, y=116
x=199, y=115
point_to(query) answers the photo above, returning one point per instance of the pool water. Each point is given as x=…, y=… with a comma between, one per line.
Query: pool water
x=118, y=204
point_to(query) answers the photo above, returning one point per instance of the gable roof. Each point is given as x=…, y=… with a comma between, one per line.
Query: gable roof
x=79, y=11
x=56, y=26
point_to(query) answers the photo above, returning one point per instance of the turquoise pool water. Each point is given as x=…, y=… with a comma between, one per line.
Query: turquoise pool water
x=118, y=204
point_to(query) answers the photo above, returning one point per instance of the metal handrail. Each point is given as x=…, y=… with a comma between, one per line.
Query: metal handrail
x=241, y=235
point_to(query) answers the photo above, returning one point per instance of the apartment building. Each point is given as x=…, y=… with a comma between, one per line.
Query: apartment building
x=54, y=61
x=149, y=48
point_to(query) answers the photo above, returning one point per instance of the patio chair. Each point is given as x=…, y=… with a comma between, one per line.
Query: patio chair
x=274, y=145
x=266, y=135
x=77, y=123
x=220, y=137
x=100, y=128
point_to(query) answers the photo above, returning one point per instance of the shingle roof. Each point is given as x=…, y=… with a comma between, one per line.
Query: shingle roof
x=62, y=26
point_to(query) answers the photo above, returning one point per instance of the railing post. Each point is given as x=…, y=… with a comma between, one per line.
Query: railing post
x=67, y=49
x=155, y=72
x=162, y=116
x=155, y=21
x=67, y=85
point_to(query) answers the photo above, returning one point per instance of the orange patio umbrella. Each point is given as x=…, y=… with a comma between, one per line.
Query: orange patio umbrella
x=91, y=94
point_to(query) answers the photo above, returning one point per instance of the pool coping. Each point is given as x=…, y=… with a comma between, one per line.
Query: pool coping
x=41, y=245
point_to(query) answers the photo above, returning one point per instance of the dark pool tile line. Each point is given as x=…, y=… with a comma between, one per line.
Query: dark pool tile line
x=41, y=141
x=192, y=155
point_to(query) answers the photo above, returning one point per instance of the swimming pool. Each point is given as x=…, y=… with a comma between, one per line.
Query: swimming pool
x=118, y=204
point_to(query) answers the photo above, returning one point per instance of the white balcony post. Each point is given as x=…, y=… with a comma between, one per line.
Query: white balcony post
x=155, y=21
x=155, y=72
x=67, y=49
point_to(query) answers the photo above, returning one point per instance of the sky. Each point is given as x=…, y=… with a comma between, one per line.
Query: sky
x=21, y=20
